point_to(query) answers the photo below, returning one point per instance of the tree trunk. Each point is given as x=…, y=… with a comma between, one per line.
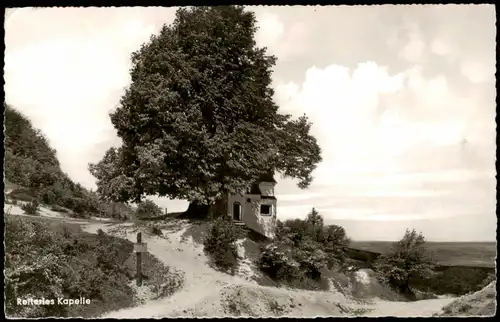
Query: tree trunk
x=219, y=208
x=407, y=292
x=199, y=211
x=196, y=211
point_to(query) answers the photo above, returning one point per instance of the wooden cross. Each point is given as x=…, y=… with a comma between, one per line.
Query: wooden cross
x=139, y=248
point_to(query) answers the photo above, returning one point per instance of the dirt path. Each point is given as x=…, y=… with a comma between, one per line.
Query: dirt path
x=424, y=308
x=205, y=289
x=201, y=281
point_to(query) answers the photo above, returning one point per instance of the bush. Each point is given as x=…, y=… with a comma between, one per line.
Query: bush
x=163, y=280
x=303, y=249
x=53, y=260
x=156, y=231
x=278, y=265
x=487, y=280
x=457, y=280
x=220, y=244
x=48, y=197
x=311, y=259
x=30, y=208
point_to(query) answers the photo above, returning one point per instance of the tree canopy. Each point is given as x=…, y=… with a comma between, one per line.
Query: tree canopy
x=199, y=120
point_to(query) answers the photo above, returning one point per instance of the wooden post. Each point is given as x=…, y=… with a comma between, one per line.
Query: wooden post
x=139, y=248
x=139, y=260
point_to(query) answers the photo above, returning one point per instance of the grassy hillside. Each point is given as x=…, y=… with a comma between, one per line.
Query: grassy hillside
x=445, y=253
x=32, y=172
x=50, y=260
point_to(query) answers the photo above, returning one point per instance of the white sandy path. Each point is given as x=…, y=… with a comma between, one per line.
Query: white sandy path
x=424, y=308
x=48, y=213
x=43, y=211
x=201, y=281
x=203, y=286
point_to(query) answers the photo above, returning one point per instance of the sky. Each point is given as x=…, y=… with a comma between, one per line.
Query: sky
x=402, y=100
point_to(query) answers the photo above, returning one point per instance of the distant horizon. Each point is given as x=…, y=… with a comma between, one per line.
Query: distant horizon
x=428, y=241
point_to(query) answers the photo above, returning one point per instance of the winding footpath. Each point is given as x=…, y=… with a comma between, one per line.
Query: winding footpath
x=203, y=286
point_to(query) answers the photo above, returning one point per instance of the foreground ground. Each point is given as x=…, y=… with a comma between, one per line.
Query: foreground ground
x=210, y=293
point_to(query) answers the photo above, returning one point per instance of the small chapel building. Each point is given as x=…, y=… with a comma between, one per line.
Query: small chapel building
x=256, y=209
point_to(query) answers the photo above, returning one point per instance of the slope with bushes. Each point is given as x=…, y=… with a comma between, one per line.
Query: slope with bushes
x=51, y=260
x=31, y=167
x=303, y=251
x=243, y=292
x=480, y=303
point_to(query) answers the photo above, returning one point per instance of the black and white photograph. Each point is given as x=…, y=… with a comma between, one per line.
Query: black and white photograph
x=250, y=161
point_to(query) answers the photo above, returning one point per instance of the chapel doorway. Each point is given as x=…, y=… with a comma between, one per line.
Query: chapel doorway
x=237, y=211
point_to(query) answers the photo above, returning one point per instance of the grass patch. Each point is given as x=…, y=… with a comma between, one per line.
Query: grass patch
x=49, y=259
x=360, y=311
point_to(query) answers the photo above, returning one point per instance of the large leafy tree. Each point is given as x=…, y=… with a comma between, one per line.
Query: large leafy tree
x=199, y=120
x=409, y=258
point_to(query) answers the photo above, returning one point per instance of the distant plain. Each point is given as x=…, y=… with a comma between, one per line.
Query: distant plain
x=478, y=254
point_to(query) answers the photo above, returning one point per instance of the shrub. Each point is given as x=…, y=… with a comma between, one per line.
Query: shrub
x=457, y=280
x=48, y=197
x=220, y=243
x=279, y=265
x=311, y=259
x=156, y=231
x=31, y=208
x=303, y=249
x=51, y=260
x=163, y=281
x=487, y=280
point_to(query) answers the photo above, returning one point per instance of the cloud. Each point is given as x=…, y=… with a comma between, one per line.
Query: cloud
x=270, y=30
x=74, y=66
x=387, y=134
x=280, y=41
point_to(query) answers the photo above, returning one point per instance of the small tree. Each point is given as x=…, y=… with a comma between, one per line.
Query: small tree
x=408, y=259
x=147, y=209
x=315, y=222
x=335, y=243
